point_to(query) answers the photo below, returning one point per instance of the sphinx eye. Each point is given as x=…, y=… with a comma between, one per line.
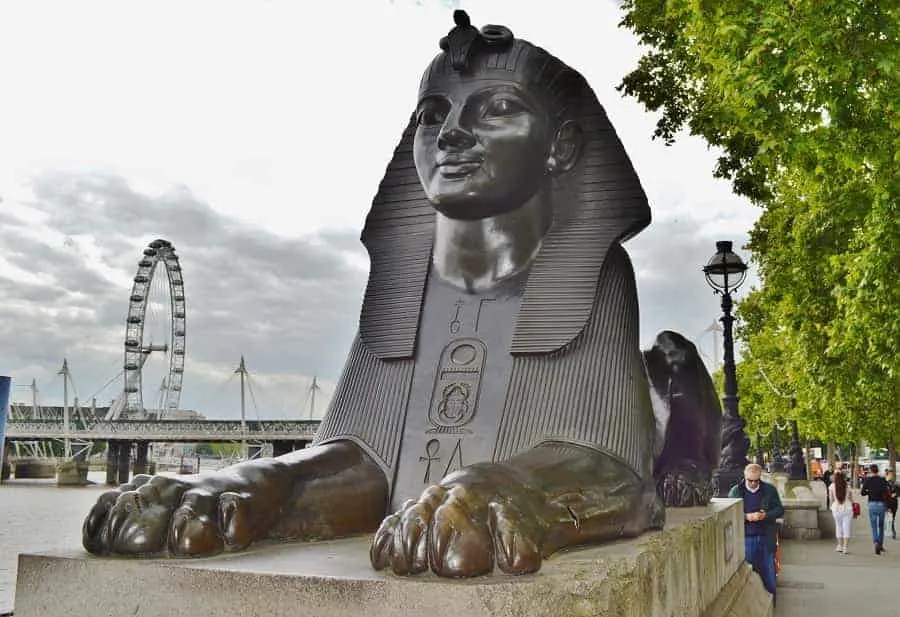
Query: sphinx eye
x=432, y=113
x=499, y=107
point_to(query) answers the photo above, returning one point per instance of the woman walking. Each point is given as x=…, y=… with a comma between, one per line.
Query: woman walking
x=841, y=510
x=878, y=492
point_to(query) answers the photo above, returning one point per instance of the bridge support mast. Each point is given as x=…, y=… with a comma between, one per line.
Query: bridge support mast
x=67, y=446
x=242, y=371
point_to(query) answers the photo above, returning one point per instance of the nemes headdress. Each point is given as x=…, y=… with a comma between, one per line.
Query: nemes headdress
x=597, y=203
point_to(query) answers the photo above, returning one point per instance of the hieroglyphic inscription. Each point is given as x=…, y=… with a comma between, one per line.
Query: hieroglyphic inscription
x=481, y=304
x=456, y=459
x=432, y=457
x=454, y=399
x=455, y=323
x=457, y=320
x=432, y=449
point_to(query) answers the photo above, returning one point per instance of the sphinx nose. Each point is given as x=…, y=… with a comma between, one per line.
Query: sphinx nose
x=453, y=135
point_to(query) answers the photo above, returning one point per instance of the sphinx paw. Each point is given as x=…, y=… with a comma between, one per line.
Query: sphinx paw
x=160, y=514
x=686, y=486
x=458, y=532
x=133, y=519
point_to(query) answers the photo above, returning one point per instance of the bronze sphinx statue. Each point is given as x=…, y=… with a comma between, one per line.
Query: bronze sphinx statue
x=496, y=399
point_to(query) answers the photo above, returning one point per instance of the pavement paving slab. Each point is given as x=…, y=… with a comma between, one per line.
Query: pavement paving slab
x=816, y=580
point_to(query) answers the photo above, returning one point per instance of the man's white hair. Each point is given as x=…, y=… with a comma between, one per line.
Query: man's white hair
x=752, y=471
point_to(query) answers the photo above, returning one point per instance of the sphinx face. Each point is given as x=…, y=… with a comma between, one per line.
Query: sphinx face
x=481, y=145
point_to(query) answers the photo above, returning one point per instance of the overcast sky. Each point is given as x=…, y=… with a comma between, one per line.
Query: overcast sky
x=252, y=135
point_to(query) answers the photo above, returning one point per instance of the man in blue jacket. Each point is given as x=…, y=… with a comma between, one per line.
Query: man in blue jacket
x=762, y=506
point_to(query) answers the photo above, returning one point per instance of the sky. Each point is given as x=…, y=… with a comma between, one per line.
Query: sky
x=252, y=135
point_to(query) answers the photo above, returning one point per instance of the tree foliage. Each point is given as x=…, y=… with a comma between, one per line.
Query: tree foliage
x=802, y=98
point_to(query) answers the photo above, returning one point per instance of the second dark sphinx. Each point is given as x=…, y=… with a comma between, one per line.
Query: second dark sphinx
x=495, y=406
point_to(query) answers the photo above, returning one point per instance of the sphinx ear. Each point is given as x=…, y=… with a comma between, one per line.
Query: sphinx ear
x=567, y=147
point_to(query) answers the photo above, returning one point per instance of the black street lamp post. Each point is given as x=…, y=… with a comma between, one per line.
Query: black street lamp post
x=725, y=272
x=777, y=456
x=797, y=466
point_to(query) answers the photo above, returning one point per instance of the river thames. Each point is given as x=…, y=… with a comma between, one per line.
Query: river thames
x=36, y=516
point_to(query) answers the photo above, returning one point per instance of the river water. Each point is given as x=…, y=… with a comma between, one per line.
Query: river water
x=37, y=516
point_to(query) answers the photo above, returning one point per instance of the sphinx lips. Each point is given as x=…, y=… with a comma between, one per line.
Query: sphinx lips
x=458, y=169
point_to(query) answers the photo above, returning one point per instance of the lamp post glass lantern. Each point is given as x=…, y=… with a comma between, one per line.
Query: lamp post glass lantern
x=725, y=272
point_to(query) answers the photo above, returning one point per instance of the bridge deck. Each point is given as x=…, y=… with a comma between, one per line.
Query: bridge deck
x=164, y=430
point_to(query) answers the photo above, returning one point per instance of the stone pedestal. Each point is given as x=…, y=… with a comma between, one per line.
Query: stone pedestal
x=112, y=456
x=780, y=480
x=826, y=525
x=33, y=468
x=801, y=519
x=681, y=571
x=141, y=452
x=72, y=473
x=123, y=462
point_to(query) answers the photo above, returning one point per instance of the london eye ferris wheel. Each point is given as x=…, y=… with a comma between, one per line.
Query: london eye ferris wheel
x=157, y=297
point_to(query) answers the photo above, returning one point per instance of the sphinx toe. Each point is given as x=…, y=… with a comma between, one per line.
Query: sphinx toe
x=381, y=552
x=234, y=520
x=412, y=537
x=193, y=530
x=516, y=551
x=460, y=545
x=93, y=529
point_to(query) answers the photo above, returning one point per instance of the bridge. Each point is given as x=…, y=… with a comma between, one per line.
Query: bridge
x=128, y=441
x=189, y=431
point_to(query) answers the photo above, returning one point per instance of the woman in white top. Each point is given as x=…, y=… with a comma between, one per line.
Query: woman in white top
x=841, y=510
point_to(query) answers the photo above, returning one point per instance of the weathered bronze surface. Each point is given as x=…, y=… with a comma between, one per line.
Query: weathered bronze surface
x=496, y=399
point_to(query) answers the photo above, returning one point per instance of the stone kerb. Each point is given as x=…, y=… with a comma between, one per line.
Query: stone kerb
x=679, y=571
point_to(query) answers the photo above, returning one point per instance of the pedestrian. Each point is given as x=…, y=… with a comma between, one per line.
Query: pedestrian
x=892, y=502
x=841, y=510
x=877, y=490
x=762, y=506
x=827, y=479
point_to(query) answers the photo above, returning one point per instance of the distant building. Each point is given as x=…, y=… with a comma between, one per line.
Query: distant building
x=25, y=411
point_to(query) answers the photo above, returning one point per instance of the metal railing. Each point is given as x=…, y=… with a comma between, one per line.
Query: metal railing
x=164, y=430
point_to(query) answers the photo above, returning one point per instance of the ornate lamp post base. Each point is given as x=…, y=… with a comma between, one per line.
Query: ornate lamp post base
x=725, y=478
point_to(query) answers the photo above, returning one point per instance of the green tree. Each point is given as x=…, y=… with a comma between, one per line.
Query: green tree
x=802, y=99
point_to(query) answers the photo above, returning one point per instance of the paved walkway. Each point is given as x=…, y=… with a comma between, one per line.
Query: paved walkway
x=816, y=580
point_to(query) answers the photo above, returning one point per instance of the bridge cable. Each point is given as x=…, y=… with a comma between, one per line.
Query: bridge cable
x=253, y=396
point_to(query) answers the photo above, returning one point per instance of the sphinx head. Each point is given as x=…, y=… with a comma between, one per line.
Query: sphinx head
x=493, y=122
x=516, y=120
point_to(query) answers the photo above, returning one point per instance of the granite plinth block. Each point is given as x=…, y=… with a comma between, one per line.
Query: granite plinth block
x=801, y=519
x=680, y=570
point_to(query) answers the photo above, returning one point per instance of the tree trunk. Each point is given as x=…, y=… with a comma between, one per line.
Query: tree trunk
x=892, y=455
